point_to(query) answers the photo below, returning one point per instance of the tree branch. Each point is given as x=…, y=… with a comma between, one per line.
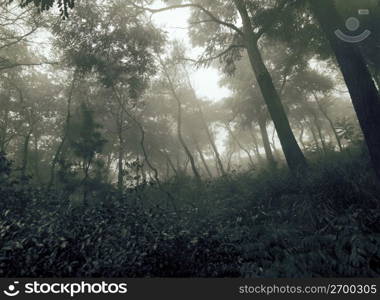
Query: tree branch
x=193, y=5
x=206, y=60
x=14, y=65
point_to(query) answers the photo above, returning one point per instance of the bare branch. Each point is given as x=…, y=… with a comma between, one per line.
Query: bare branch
x=193, y=5
x=14, y=65
x=211, y=58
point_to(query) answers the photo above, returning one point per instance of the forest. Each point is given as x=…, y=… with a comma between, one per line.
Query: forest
x=245, y=144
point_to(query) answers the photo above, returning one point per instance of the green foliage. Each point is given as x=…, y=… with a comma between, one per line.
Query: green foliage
x=267, y=224
x=42, y=5
x=84, y=136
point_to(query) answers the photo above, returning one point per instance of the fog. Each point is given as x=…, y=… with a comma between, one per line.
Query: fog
x=185, y=126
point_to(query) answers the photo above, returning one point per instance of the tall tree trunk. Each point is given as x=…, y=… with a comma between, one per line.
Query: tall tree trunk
x=292, y=151
x=364, y=94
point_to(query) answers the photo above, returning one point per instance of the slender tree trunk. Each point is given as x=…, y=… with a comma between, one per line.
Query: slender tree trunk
x=4, y=128
x=175, y=172
x=364, y=94
x=120, y=175
x=37, y=160
x=292, y=151
x=217, y=166
x=179, y=124
x=203, y=160
x=255, y=144
x=264, y=133
x=229, y=159
x=314, y=135
x=302, y=131
x=319, y=130
x=167, y=171
x=212, y=142
x=108, y=166
x=332, y=126
x=205, y=125
x=25, y=154
x=186, y=165
x=274, y=140
x=65, y=131
x=240, y=145
x=84, y=183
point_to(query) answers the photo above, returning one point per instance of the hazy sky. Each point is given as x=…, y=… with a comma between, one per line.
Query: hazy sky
x=205, y=80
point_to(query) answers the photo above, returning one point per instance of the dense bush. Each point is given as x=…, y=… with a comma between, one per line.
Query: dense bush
x=258, y=224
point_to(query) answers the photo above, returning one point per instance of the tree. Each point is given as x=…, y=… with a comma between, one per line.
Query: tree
x=364, y=94
x=86, y=142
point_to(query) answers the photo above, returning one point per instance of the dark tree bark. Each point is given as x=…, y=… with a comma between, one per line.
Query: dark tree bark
x=292, y=151
x=25, y=153
x=363, y=91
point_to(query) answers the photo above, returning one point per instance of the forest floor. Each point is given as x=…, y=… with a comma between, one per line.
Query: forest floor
x=325, y=223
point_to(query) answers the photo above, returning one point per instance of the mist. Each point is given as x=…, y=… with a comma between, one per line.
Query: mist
x=189, y=138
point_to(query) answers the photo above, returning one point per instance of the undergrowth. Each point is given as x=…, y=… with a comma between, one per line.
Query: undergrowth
x=321, y=223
